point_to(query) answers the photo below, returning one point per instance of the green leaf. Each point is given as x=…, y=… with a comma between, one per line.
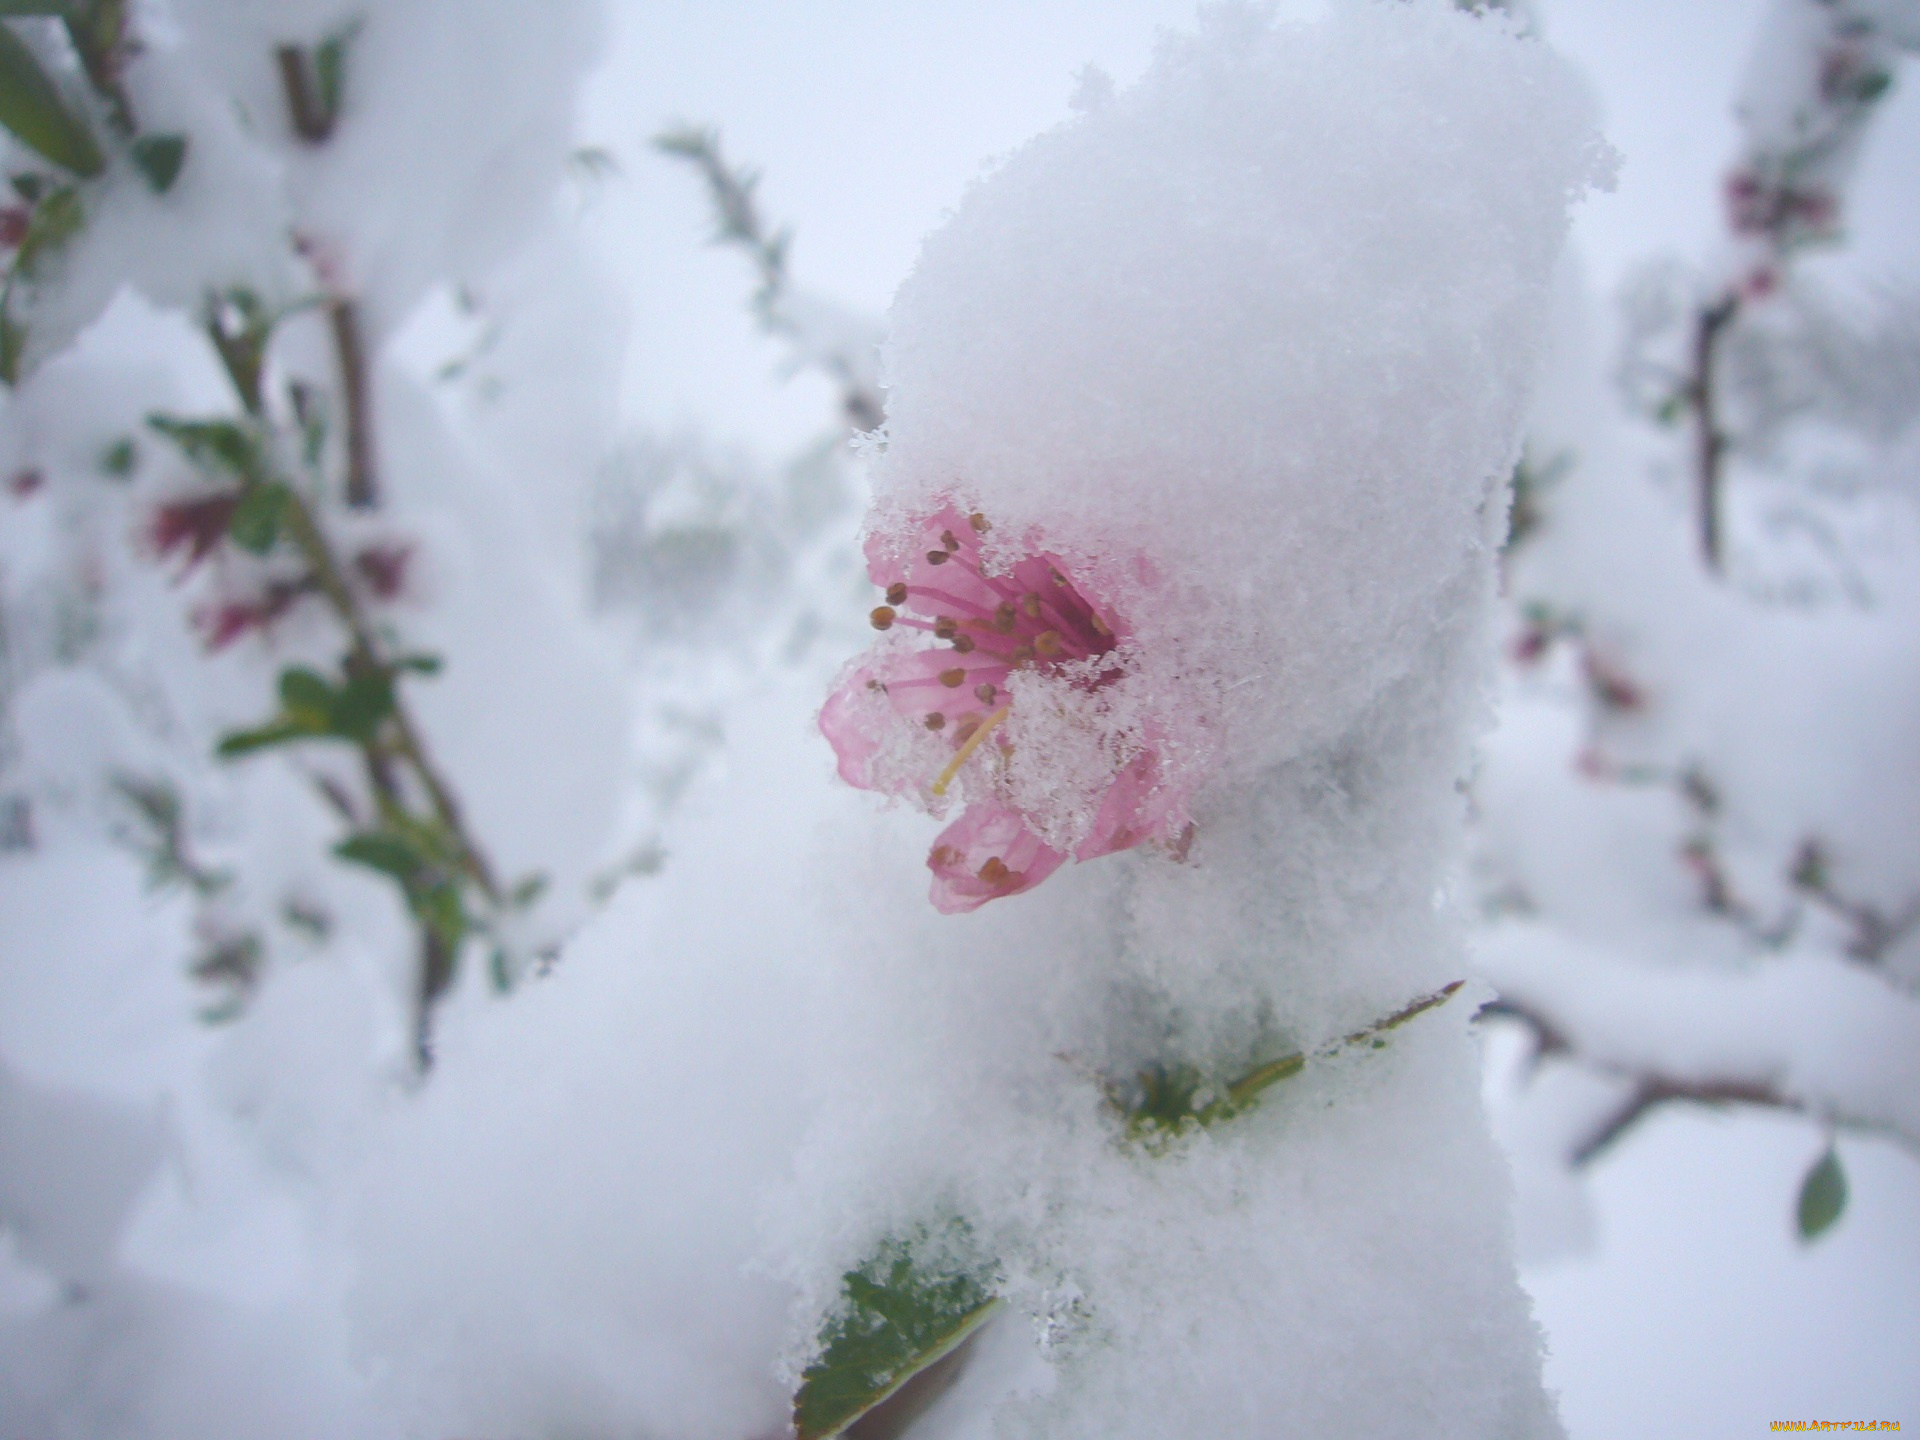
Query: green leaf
x=159, y=158
x=255, y=525
x=330, y=70
x=500, y=970
x=1871, y=86
x=1823, y=1195
x=240, y=325
x=361, y=704
x=119, y=458
x=304, y=692
x=31, y=107
x=13, y=344
x=223, y=444
x=439, y=909
x=1170, y=1099
x=902, y=1316
x=419, y=664
x=529, y=889
x=57, y=218
x=280, y=730
x=384, y=851
x=1163, y=1102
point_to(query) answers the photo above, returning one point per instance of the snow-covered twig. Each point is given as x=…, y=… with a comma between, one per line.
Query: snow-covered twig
x=842, y=346
x=1803, y=1034
x=1816, y=79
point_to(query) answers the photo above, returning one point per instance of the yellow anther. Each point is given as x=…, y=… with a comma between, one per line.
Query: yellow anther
x=936, y=557
x=936, y=721
x=1030, y=603
x=1047, y=642
x=953, y=678
x=897, y=593
x=961, y=756
x=979, y=523
x=882, y=617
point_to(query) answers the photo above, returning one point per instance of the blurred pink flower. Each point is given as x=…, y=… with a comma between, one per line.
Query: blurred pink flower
x=1030, y=617
x=198, y=525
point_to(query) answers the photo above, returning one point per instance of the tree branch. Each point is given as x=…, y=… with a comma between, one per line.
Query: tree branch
x=1710, y=441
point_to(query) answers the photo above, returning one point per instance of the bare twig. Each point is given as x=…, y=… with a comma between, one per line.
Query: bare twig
x=738, y=222
x=1652, y=1087
x=1710, y=441
x=363, y=491
x=1874, y=931
x=313, y=120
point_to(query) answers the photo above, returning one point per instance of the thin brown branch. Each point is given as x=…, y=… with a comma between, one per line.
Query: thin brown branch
x=363, y=491
x=1653, y=1087
x=312, y=120
x=365, y=654
x=1654, y=1090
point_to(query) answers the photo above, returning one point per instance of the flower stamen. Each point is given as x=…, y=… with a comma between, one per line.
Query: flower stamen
x=962, y=755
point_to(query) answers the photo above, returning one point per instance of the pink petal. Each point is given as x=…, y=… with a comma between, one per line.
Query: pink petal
x=987, y=853
x=1138, y=806
x=852, y=720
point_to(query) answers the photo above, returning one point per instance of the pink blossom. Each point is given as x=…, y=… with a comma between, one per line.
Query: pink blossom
x=226, y=621
x=384, y=568
x=987, y=624
x=197, y=525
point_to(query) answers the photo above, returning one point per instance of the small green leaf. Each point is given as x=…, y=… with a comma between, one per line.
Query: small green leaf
x=278, y=731
x=1823, y=1195
x=159, y=158
x=304, y=692
x=1164, y=1102
x=419, y=664
x=223, y=444
x=119, y=458
x=31, y=107
x=902, y=1316
x=361, y=704
x=255, y=525
x=1871, y=86
x=330, y=70
x=13, y=344
x=439, y=909
x=384, y=851
x=57, y=218
x=29, y=186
